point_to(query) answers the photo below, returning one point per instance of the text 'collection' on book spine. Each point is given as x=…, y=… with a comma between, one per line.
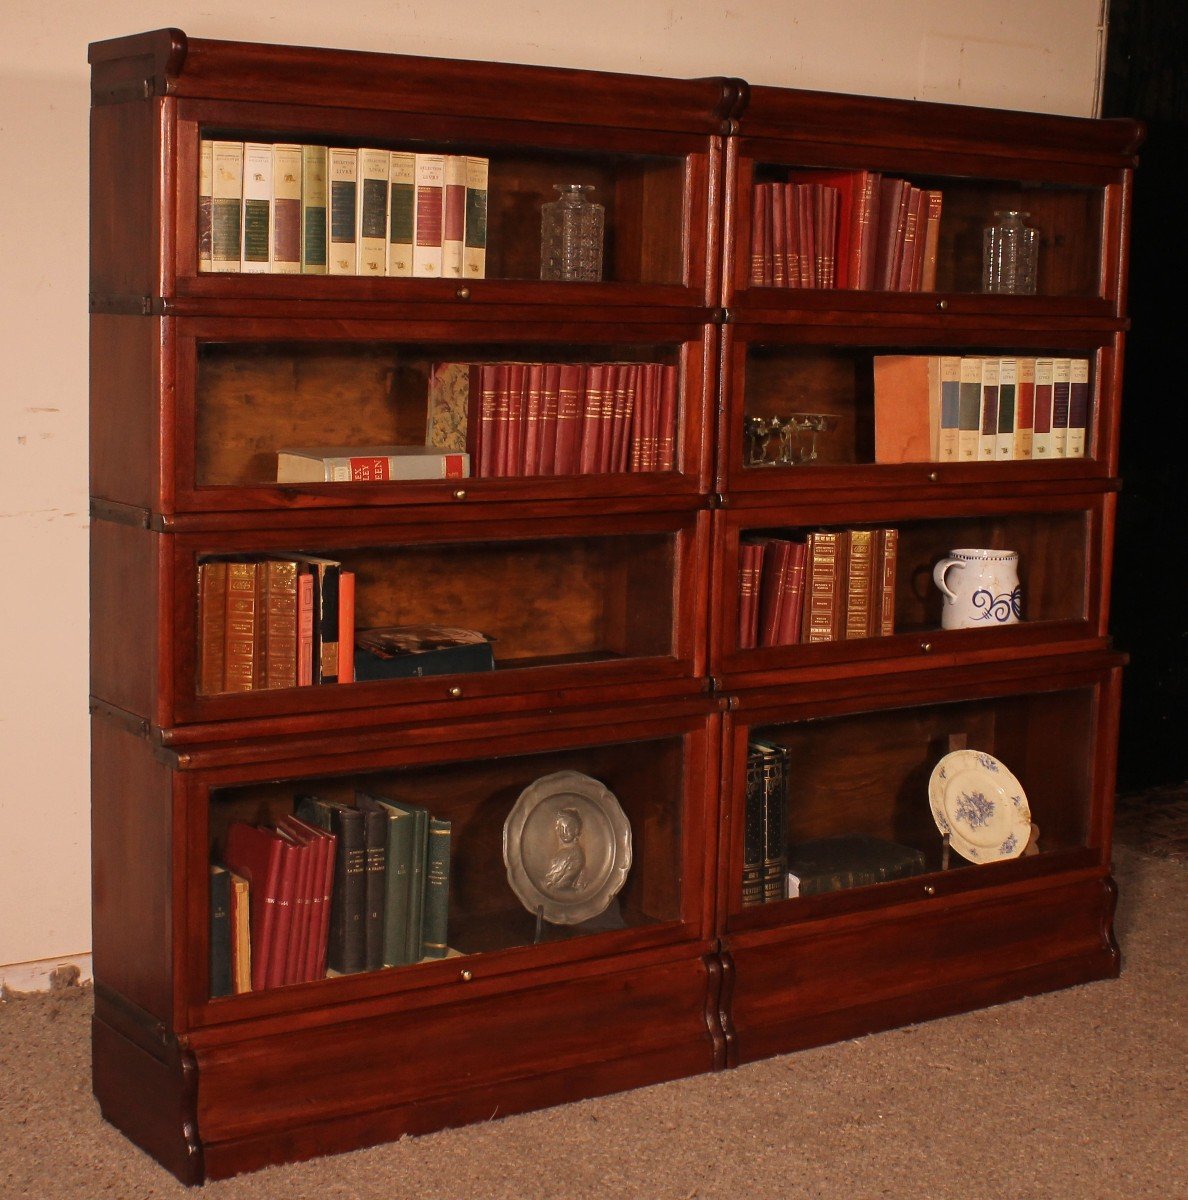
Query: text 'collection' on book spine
x=292, y=208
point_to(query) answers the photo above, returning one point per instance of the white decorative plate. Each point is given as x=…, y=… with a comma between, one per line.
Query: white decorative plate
x=980, y=805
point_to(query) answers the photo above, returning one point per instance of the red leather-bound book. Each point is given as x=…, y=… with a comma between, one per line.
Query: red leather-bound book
x=912, y=261
x=488, y=399
x=776, y=559
x=761, y=273
x=299, y=907
x=255, y=854
x=570, y=389
x=517, y=393
x=591, y=421
x=667, y=424
x=892, y=192
x=550, y=389
x=792, y=602
x=499, y=455
x=779, y=236
x=315, y=897
x=532, y=398
x=806, y=234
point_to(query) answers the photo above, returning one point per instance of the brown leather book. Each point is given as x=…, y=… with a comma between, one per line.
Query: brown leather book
x=244, y=624
x=824, y=577
x=861, y=596
x=280, y=623
x=212, y=626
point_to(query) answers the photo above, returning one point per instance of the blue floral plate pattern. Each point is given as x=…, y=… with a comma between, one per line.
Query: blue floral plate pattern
x=980, y=805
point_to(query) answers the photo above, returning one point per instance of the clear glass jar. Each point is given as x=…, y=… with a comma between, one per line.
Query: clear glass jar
x=571, y=229
x=1010, y=250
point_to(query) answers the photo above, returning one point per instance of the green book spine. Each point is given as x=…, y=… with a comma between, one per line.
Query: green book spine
x=376, y=840
x=437, y=890
x=220, y=932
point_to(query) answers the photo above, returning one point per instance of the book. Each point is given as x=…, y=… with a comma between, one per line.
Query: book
x=369, y=464
x=750, y=574
x=212, y=626
x=773, y=585
x=887, y=554
x=205, y=204
x=753, y=841
x=851, y=860
x=761, y=268
x=375, y=837
x=407, y=834
x=949, y=433
x=221, y=978
x=1061, y=394
x=254, y=854
x=454, y=391
x=988, y=437
x=371, y=212
x=278, y=587
x=571, y=387
x=346, y=626
x=935, y=205
x=244, y=637
x=241, y=935
x=226, y=206
x=453, y=221
x=792, y=602
x=969, y=408
x=401, y=211
x=286, y=208
x=1078, y=407
x=257, y=208
x=1025, y=408
x=435, y=932
x=861, y=593
x=823, y=590
x=342, y=172
x=1041, y=440
x=429, y=183
x=314, y=209
x=474, y=251
x=305, y=628
x=300, y=853
x=346, y=946
x=413, y=651
x=1008, y=384
x=308, y=948
x=774, y=765
x=324, y=575
x=908, y=404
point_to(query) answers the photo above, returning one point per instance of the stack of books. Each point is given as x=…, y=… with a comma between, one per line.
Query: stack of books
x=280, y=622
x=292, y=209
x=845, y=229
x=544, y=418
x=765, y=823
x=337, y=889
x=976, y=408
x=829, y=585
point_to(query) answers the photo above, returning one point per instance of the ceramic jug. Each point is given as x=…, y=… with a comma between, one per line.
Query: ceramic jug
x=980, y=588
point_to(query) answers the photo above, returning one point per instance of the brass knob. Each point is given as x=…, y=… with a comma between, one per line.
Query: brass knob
x=926, y=647
x=465, y=975
x=929, y=890
x=460, y=494
x=463, y=293
x=942, y=305
x=933, y=476
x=455, y=692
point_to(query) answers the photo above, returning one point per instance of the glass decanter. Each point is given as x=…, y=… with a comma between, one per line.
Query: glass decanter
x=571, y=229
x=1010, y=249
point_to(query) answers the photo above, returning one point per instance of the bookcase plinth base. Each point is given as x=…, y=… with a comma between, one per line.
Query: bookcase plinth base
x=883, y=971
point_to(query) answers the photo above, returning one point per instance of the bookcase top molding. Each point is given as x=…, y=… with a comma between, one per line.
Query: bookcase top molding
x=922, y=125
x=168, y=62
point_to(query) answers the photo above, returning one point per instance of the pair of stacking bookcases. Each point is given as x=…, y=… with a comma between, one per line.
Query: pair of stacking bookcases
x=570, y=613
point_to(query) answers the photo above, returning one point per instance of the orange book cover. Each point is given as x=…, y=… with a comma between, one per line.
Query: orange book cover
x=907, y=407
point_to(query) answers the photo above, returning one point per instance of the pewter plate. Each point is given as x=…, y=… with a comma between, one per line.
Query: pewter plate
x=567, y=847
x=980, y=805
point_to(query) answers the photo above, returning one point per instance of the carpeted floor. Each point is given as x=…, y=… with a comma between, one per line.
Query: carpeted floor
x=1079, y=1094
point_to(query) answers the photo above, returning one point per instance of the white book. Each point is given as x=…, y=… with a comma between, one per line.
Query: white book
x=314, y=210
x=474, y=253
x=343, y=178
x=1061, y=381
x=286, y=209
x=371, y=212
x=257, y=208
x=427, y=215
x=402, y=165
x=1041, y=440
x=369, y=464
x=226, y=206
x=453, y=221
x=1025, y=408
x=1078, y=407
x=969, y=414
x=205, y=203
x=988, y=435
x=1008, y=408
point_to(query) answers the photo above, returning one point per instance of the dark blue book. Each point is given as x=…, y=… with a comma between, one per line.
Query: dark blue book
x=410, y=651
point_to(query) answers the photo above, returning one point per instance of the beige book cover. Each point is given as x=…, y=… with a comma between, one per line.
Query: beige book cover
x=427, y=218
x=474, y=254
x=286, y=209
x=402, y=166
x=314, y=214
x=257, y=208
x=226, y=215
x=343, y=180
x=205, y=203
x=453, y=225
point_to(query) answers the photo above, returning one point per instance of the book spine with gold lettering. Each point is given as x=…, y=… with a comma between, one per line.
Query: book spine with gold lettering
x=212, y=626
x=435, y=936
x=821, y=610
x=280, y=623
x=474, y=252
x=453, y=216
x=401, y=215
x=861, y=595
x=1061, y=394
x=244, y=614
x=427, y=215
x=752, y=865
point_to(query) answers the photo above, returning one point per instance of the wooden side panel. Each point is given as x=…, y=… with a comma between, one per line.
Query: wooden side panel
x=293, y=1095
x=824, y=981
x=132, y=875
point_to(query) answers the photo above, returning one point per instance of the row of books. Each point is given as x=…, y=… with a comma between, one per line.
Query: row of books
x=337, y=888
x=942, y=408
x=831, y=585
x=293, y=209
x=765, y=822
x=845, y=229
x=544, y=418
x=274, y=622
